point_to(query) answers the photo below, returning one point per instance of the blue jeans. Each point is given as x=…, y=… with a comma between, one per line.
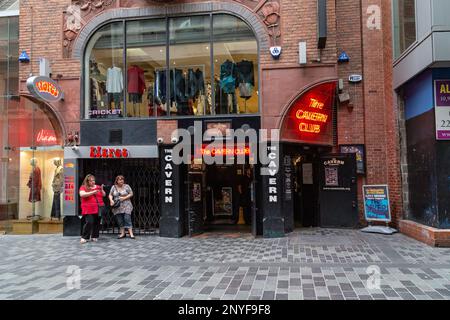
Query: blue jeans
x=124, y=220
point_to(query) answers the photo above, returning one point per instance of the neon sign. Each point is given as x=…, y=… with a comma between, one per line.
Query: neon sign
x=313, y=116
x=46, y=136
x=236, y=151
x=99, y=152
x=310, y=118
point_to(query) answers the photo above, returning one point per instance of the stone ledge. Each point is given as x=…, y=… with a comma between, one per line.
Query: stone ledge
x=50, y=226
x=429, y=235
x=25, y=227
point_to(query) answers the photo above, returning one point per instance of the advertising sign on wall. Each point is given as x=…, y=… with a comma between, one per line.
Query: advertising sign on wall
x=45, y=88
x=359, y=150
x=376, y=203
x=442, y=109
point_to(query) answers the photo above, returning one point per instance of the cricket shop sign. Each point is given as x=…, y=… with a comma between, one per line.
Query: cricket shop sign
x=168, y=176
x=109, y=153
x=45, y=89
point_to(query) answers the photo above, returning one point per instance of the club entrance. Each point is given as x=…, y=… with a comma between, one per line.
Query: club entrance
x=220, y=198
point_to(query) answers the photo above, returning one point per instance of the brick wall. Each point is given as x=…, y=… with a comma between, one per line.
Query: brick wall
x=371, y=121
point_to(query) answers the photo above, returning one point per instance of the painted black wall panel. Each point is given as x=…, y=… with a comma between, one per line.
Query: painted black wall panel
x=134, y=132
x=443, y=177
x=422, y=177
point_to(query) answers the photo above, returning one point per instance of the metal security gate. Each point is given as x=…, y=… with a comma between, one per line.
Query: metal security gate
x=143, y=177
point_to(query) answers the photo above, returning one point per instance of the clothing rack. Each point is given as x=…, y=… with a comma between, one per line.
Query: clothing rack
x=188, y=66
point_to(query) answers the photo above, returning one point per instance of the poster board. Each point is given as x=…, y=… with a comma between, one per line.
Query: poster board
x=376, y=203
x=360, y=152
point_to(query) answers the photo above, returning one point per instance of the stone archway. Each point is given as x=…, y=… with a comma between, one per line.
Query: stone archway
x=240, y=11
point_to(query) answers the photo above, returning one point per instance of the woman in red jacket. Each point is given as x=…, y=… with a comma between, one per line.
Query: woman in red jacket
x=91, y=200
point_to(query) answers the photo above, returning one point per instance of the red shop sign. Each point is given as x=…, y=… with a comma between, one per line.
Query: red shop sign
x=46, y=137
x=310, y=117
x=109, y=153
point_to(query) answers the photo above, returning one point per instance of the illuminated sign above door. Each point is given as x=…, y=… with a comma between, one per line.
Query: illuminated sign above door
x=310, y=117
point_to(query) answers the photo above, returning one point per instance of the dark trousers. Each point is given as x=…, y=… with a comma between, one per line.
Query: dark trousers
x=91, y=226
x=56, y=206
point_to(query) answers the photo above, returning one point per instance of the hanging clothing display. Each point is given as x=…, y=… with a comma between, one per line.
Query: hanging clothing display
x=114, y=80
x=35, y=185
x=136, y=84
x=57, y=186
x=228, y=76
x=246, y=79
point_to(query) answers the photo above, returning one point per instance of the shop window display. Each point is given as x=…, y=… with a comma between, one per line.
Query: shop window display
x=211, y=68
x=106, y=84
x=146, y=57
x=36, y=165
x=190, y=65
x=235, y=63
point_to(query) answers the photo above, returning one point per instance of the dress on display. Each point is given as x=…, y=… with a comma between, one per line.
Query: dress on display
x=57, y=185
x=35, y=185
x=136, y=84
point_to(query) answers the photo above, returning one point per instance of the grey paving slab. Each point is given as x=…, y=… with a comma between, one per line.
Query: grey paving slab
x=307, y=264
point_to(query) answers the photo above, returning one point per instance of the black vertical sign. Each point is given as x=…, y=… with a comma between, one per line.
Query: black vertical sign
x=288, y=203
x=170, y=223
x=273, y=218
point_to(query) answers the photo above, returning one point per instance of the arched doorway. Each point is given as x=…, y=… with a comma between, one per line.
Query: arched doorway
x=33, y=177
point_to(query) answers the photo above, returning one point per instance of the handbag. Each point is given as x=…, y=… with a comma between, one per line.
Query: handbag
x=245, y=90
x=101, y=211
x=116, y=202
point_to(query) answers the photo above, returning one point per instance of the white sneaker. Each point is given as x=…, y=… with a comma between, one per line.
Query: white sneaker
x=94, y=239
x=82, y=241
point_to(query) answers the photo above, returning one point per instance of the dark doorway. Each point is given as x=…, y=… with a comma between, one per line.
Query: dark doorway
x=305, y=191
x=143, y=177
x=214, y=199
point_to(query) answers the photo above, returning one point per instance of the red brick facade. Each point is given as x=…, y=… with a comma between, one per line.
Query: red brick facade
x=368, y=119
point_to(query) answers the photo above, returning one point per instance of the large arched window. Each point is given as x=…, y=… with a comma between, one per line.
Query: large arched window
x=181, y=66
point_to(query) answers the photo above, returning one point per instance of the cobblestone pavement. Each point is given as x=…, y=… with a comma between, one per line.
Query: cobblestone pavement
x=308, y=264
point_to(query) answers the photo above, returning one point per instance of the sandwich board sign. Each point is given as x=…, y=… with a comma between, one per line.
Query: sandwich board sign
x=377, y=208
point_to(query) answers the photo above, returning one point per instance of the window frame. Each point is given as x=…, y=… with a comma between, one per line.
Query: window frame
x=85, y=76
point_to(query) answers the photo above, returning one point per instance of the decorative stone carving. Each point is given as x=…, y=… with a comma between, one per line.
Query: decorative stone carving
x=75, y=18
x=270, y=13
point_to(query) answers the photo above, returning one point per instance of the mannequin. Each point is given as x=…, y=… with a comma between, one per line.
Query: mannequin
x=34, y=182
x=57, y=186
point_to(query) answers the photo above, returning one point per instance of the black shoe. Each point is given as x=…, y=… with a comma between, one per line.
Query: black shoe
x=121, y=237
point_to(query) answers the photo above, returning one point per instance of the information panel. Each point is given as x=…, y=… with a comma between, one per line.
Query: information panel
x=376, y=203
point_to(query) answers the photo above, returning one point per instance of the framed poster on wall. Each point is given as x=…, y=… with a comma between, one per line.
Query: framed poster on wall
x=360, y=151
x=224, y=204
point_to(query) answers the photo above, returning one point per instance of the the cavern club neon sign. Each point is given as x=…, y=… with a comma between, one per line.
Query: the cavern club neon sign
x=225, y=151
x=312, y=117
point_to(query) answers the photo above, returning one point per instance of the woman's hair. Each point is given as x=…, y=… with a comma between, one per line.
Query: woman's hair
x=86, y=180
x=119, y=177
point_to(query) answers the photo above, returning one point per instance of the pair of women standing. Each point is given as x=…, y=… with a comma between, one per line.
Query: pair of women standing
x=92, y=205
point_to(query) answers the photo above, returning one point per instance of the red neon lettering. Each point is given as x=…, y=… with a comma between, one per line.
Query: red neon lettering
x=46, y=136
x=316, y=104
x=308, y=127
